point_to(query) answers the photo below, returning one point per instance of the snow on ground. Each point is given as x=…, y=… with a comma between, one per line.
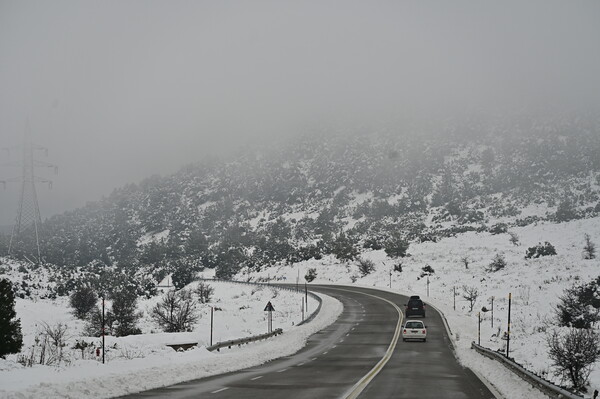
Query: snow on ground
x=535, y=284
x=142, y=362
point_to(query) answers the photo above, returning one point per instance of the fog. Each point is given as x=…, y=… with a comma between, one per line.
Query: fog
x=121, y=90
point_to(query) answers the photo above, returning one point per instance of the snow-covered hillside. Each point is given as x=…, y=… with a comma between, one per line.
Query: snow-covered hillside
x=535, y=285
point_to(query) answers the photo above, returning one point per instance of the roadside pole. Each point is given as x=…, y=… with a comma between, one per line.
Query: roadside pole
x=508, y=331
x=212, y=312
x=306, y=297
x=479, y=328
x=492, y=312
x=103, y=330
x=269, y=308
x=454, y=288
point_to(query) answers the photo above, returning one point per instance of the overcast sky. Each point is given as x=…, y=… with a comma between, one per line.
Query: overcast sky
x=121, y=90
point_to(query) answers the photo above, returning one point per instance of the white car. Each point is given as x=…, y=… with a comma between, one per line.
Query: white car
x=414, y=329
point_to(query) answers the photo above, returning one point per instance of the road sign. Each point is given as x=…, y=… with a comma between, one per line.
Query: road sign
x=269, y=307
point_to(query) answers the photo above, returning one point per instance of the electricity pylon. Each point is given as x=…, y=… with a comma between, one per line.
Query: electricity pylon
x=25, y=237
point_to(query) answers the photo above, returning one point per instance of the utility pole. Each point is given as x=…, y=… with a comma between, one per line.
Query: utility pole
x=492, y=312
x=478, y=328
x=508, y=331
x=103, y=330
x=454, y=289
x=25, y=237
x=212, y=312
x=306, y=298
x=427, y=286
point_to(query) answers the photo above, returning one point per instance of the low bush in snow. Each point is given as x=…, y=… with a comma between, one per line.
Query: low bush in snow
x=545, y=249
x=365, y=266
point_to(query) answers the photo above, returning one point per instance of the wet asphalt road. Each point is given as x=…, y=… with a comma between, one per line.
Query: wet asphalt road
x=338, y=357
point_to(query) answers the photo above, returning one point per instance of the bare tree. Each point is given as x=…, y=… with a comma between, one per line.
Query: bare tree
x=53, y=340
x=465, y=260
x=573, y=354
x=589, y=250
x=204, y=292
x=470, y=294
x=177, y=312
x=525, y=294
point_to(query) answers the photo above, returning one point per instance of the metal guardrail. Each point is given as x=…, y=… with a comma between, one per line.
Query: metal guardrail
x=246, y=340
x=315, y=312
x=287, y=287
x=243, y=341
x=538, y=382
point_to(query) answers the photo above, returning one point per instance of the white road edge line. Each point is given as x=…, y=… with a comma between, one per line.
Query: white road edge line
x=281, y=371
x=220, y=390
x=485, y=381
x=363, y=382
x=256, y=378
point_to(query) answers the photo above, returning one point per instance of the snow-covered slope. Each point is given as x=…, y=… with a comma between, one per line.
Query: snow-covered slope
x=140, y=362
x=535, y=285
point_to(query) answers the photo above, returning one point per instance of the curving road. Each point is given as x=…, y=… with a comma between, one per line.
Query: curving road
x=359, y=355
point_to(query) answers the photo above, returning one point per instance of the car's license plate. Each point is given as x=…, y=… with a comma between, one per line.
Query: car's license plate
x=414, y=331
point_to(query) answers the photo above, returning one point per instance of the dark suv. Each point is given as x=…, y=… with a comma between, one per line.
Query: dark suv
x=415, y=307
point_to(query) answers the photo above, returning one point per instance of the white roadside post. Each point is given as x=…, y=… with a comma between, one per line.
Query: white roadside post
x=269, y=308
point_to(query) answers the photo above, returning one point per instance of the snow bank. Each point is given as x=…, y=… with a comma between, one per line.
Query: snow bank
x=163, y=366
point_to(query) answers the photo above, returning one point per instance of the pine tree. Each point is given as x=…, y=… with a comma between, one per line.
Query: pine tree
x=565, y=211
x=83, y=300
x=396, y=246
x=183, y=274
x=589, y=250
x=124, y=312
x=343, y=248
x=11, y=338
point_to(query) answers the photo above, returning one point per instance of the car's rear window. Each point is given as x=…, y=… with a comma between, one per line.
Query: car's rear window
x=414, y=324
x=416, y=303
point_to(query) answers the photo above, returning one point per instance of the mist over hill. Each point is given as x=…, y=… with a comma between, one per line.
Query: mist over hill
x=333, y=193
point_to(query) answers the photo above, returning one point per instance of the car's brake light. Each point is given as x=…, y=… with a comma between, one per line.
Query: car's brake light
x=424, y=331
x=404, y=331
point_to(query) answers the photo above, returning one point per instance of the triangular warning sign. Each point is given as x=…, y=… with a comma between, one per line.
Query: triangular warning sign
x=269, y=307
